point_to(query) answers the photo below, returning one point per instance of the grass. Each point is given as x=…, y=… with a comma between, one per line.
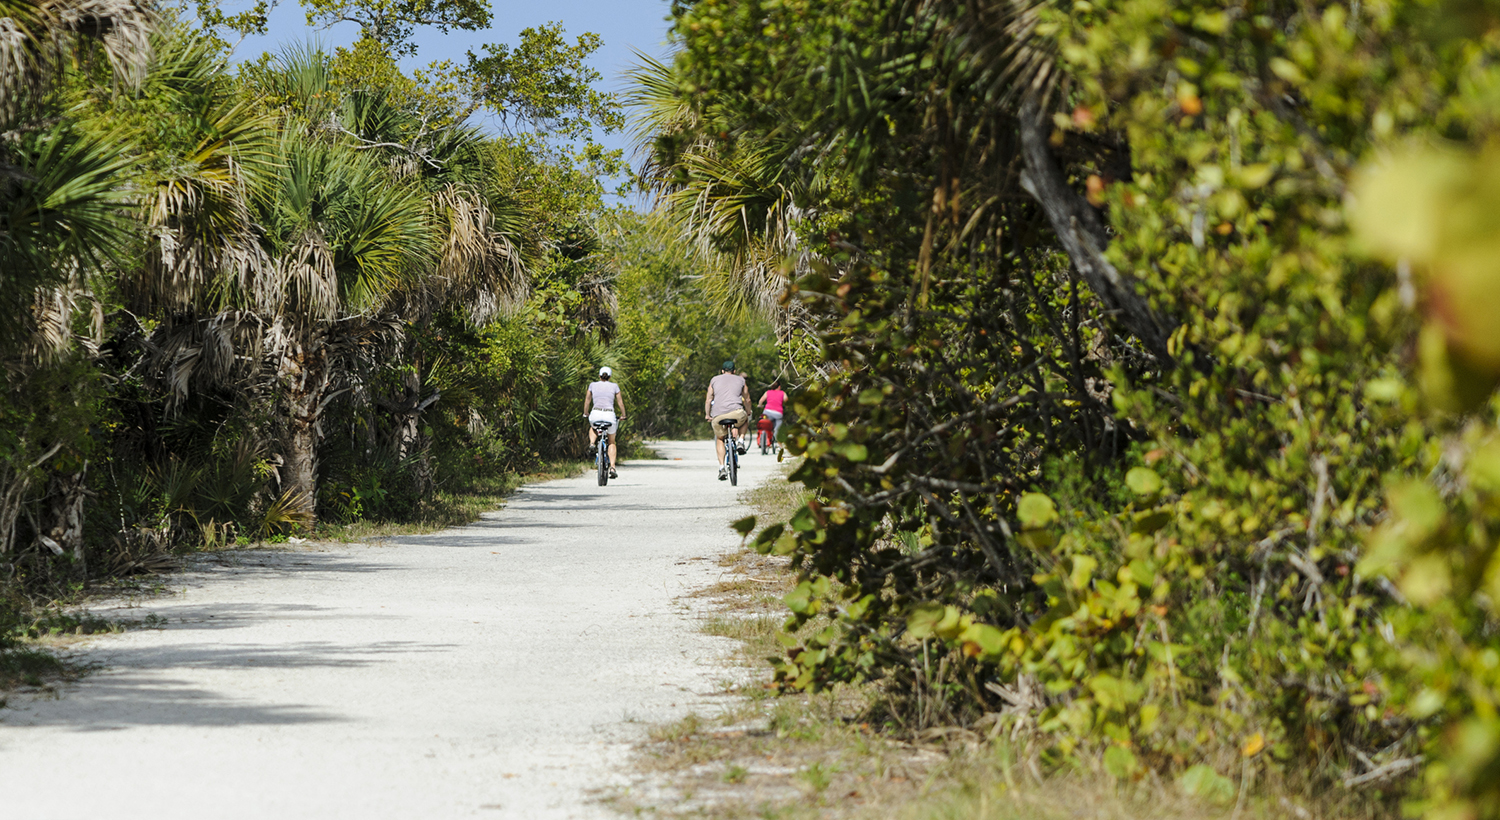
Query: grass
x=28, y=646
x=22, y=665
x=827, y=755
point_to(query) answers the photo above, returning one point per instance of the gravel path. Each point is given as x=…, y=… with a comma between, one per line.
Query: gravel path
x=501, y=669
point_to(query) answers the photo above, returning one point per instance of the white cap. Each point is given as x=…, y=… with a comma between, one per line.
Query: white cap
x=604, y=371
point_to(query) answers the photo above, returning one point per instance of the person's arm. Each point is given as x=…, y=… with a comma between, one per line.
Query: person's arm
x=745, y=399
x=588, y=400
x=708, y=402
x=620, y=402
x=764, y=397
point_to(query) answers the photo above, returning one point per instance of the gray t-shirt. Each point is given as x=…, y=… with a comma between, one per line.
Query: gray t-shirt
x=604, y=395
x=729, y=392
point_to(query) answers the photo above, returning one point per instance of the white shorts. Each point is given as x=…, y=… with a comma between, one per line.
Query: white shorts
x=603, y=415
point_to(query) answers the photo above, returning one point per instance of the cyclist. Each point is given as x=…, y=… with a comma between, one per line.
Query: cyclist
x=599, y=403
x=773, y=407
x=728, y=396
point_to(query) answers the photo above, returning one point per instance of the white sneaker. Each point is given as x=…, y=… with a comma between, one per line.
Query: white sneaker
x=723, y=473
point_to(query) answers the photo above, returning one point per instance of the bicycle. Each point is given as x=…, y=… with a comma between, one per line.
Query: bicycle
x=601, y=451
x=731, y=451
x=763, y=435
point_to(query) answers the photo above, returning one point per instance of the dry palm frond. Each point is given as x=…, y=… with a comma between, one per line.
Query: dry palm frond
x=203, y=252
x=55, y=317
x=478, y=267
x=35, y=36
x=291, y=512
x=309, y=282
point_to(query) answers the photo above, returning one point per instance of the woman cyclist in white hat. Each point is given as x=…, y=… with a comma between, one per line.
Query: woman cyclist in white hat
x=599, y=403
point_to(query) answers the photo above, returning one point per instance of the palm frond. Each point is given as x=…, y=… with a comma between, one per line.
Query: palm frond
x=36, y=37
x=479, y=267
x=63, y=216
x=203, y=252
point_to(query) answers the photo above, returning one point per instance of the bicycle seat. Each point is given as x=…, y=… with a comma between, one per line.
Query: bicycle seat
x=727, y=422
x=602, y=425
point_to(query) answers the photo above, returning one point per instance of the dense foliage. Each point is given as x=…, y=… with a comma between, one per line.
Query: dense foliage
x=1122, y=433
x=673, y=332
x=240, y=302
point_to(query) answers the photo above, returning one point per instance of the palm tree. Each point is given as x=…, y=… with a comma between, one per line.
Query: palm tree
x=63, y=223
x=737, y=196
x=342, y=237
x=482, y=236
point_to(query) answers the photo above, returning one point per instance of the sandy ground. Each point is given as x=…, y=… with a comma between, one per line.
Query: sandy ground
x=497, y=670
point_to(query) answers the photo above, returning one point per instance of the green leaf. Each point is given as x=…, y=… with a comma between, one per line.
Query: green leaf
x=744, y=526
x=1255, y=176
x=1083, y=570
x=1287, y=70
x=1417, y=505
x=1120, y=762
x=1150, y=521
x=1202, y=782
x=1114, y=693
x=803, y=520
x=1036, y=511
x=852, y=451
x=1143, y=481
x=923, y=619
x=769, y=534
x=799, y=598
x=856, y=611
x=1383, y=390
x=1484, y=467
x=984, y=640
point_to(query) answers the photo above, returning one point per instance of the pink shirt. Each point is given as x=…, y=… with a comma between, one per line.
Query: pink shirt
x=774, y=400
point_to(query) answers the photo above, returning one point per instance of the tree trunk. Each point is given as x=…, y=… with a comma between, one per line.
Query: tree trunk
x=304, y=373
x=299, y=476
x=66, y=494
x=407, y=435
x=1083, y=235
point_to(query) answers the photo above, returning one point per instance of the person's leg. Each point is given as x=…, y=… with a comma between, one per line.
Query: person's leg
x=613, y=460
x=593, y=438
x=775, y=418
x=719, y=444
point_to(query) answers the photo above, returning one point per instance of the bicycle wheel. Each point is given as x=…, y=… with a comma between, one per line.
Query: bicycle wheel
x=733, y=454
x=602, y=459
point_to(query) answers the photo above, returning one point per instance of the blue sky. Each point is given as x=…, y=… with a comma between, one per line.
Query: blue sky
x=626, y=26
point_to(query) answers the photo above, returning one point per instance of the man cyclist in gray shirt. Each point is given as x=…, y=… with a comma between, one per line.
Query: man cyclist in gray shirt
x=727, y=398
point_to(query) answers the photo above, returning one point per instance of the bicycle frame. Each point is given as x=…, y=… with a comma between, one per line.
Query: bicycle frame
x=731, y=450
x=601, y=450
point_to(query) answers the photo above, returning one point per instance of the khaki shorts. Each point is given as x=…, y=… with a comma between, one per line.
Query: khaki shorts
x=738, y=416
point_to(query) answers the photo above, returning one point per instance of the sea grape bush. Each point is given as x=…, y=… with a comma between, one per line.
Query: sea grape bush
x=1245, y=524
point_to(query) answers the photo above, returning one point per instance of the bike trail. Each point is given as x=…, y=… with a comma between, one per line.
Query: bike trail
x=502, y=669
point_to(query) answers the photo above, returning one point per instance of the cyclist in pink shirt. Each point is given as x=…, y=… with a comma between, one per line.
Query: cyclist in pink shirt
x=773, y=406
